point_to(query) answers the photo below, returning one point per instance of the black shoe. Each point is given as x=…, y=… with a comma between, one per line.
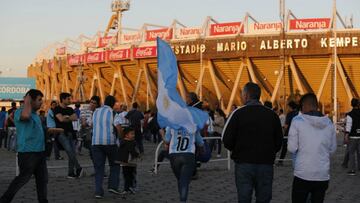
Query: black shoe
x=72, y=176
x=116, y=192
x=79, y=172
x=99, y=196
x=351, y=173
x=59, y=158
x=344, y=166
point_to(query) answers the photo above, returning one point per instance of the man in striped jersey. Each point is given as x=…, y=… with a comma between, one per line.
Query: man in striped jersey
x=104, y=145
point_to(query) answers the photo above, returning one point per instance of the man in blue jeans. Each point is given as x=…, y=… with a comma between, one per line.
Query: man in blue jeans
x=64, y=116
x=253, y=134
x=104, y=144
x=30, y=147
x=182, y=156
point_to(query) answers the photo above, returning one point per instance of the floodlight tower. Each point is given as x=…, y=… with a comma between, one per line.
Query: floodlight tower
x=118, y=7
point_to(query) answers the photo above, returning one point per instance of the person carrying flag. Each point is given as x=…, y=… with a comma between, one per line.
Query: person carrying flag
x=183, y=123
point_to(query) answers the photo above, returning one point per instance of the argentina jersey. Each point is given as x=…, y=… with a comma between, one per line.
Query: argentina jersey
x=182, y=141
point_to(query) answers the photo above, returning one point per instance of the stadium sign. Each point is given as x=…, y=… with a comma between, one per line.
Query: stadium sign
x=145, y=52
x=75, y=60
x=226, y=28
x=104, y=41
x=164, y=33
x=15, y=88
x=117, y=55
x=188, y=32
x=309, y=24
x=266, y=27
x=94, y=57
x=130, y=37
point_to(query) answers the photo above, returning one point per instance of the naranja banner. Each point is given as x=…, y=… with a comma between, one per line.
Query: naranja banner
x=309, y=24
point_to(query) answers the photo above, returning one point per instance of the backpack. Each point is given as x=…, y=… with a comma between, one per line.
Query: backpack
x=205, y=155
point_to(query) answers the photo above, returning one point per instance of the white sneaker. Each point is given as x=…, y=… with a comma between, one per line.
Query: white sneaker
x=218, y=155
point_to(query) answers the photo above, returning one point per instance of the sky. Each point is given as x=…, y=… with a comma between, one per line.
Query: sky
x=28, y=26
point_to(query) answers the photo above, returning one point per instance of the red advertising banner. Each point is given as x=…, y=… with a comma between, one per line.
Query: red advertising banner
x=61, y=51
x=164, y=33
x=104, y=41
x=95, y=57
x=130, y=37
x=116, y=55
x=145, y=52
x=89, y=44
x=309, y=24
x=226, y=28
x=74, y=60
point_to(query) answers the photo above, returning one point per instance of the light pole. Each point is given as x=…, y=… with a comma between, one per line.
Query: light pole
x=119, y=6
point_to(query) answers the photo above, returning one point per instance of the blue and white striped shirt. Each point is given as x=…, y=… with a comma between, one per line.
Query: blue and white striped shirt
x=103, y=127
x=181, y=141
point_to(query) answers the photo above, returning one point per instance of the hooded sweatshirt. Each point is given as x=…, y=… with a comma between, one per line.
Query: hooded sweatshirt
x=313, y=139
x=353, y=124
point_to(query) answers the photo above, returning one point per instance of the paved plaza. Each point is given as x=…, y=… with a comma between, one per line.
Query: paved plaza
x=215, y=183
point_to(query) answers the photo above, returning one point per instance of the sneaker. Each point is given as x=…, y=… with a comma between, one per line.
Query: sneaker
x=116, y=192
x=59, y=158
x=351, y=173
x=99, y=196
x=124, y=192
x=218, y=155
x=132, y=190
x=72, y=176
x=152, y=170
x=79, y=172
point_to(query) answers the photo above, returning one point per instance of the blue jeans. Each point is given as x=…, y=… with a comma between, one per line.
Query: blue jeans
x=183, y=165
x=254, y=176
x=67, y=143
x=99, y=153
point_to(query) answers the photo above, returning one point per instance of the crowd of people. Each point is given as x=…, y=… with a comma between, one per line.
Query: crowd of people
x=254, y=134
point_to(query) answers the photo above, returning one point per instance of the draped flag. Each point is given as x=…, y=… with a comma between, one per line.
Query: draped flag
x=172, y=109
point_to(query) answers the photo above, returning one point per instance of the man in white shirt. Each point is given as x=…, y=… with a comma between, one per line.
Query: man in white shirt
x=312, y=137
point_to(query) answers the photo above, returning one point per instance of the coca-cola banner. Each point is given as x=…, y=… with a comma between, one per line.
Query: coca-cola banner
x=104, y=41
x=75, y=60
x=164, y=33
x=145, y=52
x=116, y=55
x=226, y=28
x=130, y=37
x=264, y=27
x=95, y=57
x=309, y=24
x=61, y=51
x=188, y=32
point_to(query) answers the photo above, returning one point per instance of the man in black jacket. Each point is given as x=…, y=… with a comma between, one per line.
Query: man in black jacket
x=352, y=135
x=253, y=134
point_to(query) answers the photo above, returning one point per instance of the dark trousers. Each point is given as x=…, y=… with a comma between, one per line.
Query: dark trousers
x=139, y=141
x=283, y=149
x=254, y=176
x=129, y=177
x=30, y=163
x=162, y=155
x=2, y=136
x=354, y=151
x=218, y=141
x=100, y=152
x=183, y=165
x=303, y=188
